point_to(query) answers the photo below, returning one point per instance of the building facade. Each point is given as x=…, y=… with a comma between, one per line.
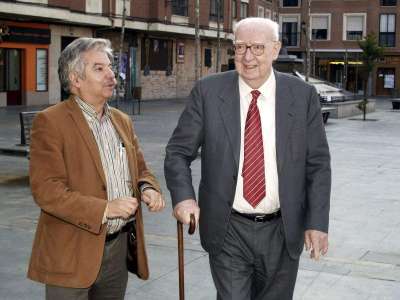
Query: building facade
x=335, y=27
x=157, y=58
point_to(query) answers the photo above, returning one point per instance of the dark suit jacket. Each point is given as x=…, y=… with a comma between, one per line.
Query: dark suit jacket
x=69, y=185
x=211, y=121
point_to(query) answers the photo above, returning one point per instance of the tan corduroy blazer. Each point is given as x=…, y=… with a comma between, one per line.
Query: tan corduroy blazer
x=68, y=184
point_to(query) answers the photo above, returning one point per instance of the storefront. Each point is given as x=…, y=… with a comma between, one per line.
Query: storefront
x=342, y=69
x=24, y=63
x=386, y=80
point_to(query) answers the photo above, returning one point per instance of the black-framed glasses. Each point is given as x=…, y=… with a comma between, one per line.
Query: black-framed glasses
x=256, y=49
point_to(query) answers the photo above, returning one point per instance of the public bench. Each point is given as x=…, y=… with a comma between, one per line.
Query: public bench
x=22, y=149
x=325, y=113
x=396, y=103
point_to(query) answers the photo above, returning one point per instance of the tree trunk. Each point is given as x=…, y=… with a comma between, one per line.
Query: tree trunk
x=365, y=101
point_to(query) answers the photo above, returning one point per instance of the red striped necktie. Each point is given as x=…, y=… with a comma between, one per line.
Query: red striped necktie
x=253, y=165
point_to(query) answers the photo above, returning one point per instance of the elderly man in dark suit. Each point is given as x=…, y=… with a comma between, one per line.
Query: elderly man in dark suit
x=265, y=169
x=86, y=170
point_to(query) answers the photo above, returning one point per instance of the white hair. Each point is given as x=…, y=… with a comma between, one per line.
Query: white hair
x=268, y=23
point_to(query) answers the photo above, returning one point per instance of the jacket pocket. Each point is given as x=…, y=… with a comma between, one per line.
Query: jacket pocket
x=58, y=248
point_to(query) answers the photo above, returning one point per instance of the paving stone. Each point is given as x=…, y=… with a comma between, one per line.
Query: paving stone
x=363, y=260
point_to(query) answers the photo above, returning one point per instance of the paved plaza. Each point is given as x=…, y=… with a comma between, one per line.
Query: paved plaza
x=364, y=257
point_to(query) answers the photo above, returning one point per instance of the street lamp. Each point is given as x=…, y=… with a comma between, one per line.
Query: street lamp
x=308, y=37
x=306, y=29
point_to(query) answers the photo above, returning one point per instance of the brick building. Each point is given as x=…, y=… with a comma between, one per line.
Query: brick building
x=158, y=50
x=335, y=28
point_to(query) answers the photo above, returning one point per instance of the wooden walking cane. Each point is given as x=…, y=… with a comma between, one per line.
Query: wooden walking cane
x=192, y=227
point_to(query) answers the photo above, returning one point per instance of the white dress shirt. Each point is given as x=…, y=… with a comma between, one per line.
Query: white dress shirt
x=266, y=106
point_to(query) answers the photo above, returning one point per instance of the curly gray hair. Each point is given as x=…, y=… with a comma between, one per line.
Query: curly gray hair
x=71, y=58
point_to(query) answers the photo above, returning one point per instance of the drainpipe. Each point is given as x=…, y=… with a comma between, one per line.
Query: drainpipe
x=121, y=45
x=109, y=12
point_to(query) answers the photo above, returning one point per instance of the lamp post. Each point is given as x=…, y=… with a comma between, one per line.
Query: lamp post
x=308, y=40
x=218, y=36
x=197, y=68
x=121, y=45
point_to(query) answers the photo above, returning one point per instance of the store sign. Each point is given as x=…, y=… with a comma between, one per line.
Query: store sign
x=26, y=35
x=41, y=70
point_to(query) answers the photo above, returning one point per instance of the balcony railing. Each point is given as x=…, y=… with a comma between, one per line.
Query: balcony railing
x=387, y=39
x=354, y=35
x=290, y=39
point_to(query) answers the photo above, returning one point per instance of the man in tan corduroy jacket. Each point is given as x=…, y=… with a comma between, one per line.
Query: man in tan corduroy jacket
x=88, y=176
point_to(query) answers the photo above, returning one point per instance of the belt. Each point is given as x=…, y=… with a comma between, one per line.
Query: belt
x=259, y=218
x=113, y=236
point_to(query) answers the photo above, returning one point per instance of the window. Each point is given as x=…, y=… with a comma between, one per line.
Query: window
x=156, y=54
x=41, y=70
x=320, y=27
x=10, y=70
x=290, y=3
x=234, y=11
x=207, y=57
x=180, y=7
x=119, y=6
x=214, y=9
x=388, y=2
x=260, y=12
x=267, y=13
x=355, y=26
x=290, y=30
x=244, y=10
x=387, y=31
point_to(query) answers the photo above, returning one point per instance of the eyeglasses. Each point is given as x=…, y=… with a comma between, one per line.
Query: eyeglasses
x=256, y=49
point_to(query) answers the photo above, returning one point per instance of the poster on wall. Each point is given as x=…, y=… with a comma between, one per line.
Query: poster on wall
x=180, y=52
x=389, y=81
x=41, y=70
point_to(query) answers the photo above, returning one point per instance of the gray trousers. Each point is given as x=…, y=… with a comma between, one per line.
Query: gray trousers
x=111, y=281
x=254, y=262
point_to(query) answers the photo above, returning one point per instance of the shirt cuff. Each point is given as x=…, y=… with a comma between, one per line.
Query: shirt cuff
x=145, y=186
x=104, y=221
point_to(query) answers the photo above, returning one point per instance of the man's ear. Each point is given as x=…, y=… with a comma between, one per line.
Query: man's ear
x=277, y=48
x=74, y=80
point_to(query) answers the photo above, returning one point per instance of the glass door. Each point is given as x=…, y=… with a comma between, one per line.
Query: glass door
x=13, y=76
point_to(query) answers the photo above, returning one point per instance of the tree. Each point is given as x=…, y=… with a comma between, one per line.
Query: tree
x=371, y=52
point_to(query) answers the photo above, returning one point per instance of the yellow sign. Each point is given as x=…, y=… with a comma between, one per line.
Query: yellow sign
x=342, y=63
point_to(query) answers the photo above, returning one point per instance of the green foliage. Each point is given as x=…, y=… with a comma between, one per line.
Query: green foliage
x=362, y=105
x=371, y=51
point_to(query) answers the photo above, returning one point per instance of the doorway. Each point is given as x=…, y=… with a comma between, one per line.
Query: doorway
x=10, y=75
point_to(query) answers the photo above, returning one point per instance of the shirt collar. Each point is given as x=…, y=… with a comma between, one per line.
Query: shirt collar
x=266, y=87
x=89, y=110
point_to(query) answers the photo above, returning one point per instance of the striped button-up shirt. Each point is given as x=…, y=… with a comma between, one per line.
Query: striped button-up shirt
x=113, y=157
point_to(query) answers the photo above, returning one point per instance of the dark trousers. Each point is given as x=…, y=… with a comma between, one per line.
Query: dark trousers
x=111, y=281
x=254, y=262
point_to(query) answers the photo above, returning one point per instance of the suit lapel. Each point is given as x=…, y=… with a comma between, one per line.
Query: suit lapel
x=284, y=117
x=87, y=135
x=229, y=109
